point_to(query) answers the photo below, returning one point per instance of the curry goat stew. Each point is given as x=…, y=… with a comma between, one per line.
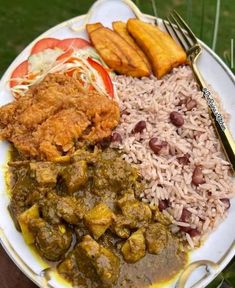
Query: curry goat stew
x=92, y=197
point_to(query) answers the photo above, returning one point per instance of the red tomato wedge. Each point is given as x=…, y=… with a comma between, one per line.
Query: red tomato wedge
x=19, y=72
x=64, y=44
x=43, y=44
x=78, y=43
x=104, y=75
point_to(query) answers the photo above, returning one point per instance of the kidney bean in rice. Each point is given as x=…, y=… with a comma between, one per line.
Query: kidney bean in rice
x=170, y=177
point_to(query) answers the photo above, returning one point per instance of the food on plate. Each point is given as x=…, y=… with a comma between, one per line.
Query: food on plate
x=99, y=219
x=72, y=56
x=19, y=72
x=96, y=262
x=24, y=218
x=72, y=43
x=162, y=51
x=121, y=28
x=65, y=44
x=117, y=53
x=51, y=241
x=49, y=214
x=45, y=43
x=156, y=238
x=56, y=208
x=119, y=48
x=55, y=115
x=60, y=48
x=134, y=247
x=92, y=27
x=177, y=151
x=104, y=75
x=138, y=213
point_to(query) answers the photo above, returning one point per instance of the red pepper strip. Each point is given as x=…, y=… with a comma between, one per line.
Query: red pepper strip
x=104, y=75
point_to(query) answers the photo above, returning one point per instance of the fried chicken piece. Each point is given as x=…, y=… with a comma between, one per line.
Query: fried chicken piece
x=54, y=114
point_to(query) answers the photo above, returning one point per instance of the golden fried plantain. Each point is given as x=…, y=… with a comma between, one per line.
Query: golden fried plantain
x=92, y=27
x=117, y=53
x=162, y=51
x=120, y=28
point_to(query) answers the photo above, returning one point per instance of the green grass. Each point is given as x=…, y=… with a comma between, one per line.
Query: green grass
x=22, y=20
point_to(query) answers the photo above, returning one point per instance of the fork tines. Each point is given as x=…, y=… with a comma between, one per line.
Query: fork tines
x=180, y=30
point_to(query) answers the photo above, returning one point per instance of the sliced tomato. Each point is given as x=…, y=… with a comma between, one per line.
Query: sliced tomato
x=19, y=72
x=77, y=43
x=65, y=44
x=45, y=43
x=104, y=75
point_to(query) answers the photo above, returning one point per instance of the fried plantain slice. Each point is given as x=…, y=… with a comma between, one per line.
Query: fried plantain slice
x=117, y=53
x=92, y=27
x=121, y=28
x=162, y=51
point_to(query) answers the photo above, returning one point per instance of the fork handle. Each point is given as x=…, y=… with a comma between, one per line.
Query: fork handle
x=225, y=136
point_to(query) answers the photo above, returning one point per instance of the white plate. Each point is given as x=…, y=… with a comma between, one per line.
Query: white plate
x=219, y=246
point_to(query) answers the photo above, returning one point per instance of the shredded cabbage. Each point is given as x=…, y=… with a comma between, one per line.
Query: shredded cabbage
x=44, y=60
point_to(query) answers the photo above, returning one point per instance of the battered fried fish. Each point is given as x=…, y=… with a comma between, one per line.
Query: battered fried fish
x=54, y=115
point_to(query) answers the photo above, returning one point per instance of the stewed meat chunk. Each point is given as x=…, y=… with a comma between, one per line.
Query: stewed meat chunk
x=138, y=212
x=156, y=236
x=98, y=261
x=52, y=241
x=45, y=173
x=54, y=208
x=121, y=226
x=113, y=175
x=75, y=175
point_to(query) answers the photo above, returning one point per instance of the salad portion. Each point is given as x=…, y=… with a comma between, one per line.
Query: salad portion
x=74, y=57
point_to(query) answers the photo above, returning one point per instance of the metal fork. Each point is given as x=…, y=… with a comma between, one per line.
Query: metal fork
x=177, y=27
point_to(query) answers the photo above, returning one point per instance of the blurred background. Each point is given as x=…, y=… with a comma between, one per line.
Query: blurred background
x=21, y=21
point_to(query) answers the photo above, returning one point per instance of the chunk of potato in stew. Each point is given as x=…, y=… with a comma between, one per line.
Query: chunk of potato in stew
x=98, y=219
x=134, y=247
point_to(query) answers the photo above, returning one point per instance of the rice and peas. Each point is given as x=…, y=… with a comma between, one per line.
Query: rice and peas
x=187, y=175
